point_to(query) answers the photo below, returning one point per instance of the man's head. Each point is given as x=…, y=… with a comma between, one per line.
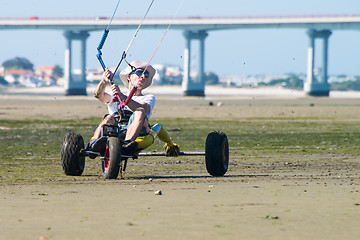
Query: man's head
x=136, y=75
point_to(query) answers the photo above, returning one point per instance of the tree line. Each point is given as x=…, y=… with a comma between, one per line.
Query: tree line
x=292, y=81
x=23, y=63
x=295, y=82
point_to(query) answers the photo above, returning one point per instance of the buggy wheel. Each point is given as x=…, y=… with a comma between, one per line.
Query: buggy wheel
x=217, y=153
x=112, y=158
x=72, y=160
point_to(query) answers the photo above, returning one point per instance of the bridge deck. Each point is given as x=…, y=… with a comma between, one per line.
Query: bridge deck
x=346, y=22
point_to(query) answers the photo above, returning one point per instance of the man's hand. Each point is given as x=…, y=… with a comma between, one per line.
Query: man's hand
x=115, y=89
x=99, y=92
x=107, y=75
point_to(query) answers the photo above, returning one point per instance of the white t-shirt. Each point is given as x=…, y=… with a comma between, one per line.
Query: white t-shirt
x=149, y=99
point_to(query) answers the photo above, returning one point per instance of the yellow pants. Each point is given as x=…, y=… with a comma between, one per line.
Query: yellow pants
x=156, y=131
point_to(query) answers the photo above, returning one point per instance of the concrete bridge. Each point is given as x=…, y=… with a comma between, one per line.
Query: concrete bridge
x=194, y=28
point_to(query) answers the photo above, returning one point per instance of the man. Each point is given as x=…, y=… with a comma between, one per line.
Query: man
x=140, y=105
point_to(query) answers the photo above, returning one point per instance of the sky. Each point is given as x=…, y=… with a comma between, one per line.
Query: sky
x=242, y=52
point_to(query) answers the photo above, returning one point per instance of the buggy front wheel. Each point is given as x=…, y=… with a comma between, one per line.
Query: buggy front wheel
x=217, y=153
x=112, y=159
x=72, y=160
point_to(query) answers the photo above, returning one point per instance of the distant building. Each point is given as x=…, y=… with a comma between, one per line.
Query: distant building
x=45, y=74
x=42, y=75
x=94, y=75
x=24, y=77
x=166, y=74
x=160, y=74
x=251, y=80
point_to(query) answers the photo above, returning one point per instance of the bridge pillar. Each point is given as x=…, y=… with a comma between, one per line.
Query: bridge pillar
x=314, y=86
x=75, y=86
x=194, y=87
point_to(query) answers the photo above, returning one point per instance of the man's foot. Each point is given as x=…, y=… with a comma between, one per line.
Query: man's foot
x=96, y=145
x=99, y=144
x=129, y=148
x=172, y=150
x=92, y=156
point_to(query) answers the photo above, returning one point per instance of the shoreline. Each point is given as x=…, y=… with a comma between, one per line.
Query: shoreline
x=176, y=91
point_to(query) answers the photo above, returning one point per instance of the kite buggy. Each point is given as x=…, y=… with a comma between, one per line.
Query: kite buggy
x=74, y=153
x=125, y=132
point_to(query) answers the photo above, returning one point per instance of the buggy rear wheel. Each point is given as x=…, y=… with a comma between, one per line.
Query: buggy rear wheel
x=72, y=160
x=112, y=158
x=217, y=153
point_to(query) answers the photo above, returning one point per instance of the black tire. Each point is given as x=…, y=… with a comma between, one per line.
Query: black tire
x=72, y=161
x=112, y=158
x=217, y=153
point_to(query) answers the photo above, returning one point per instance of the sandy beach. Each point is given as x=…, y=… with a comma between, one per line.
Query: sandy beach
x=280, y=198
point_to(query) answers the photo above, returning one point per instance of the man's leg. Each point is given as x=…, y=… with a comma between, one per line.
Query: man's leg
x=171, y=149
x=107, y=119
x=97, y=143
x=136, y=125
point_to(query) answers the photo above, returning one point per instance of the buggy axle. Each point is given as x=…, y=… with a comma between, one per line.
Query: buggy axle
x=154, y=154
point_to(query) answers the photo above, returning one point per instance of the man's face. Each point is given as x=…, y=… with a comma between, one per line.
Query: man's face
x=139, y=78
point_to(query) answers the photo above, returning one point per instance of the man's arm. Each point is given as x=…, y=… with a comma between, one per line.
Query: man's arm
x=133, y=105
x=99, y=92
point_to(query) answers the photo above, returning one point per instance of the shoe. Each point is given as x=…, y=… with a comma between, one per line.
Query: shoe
x=99, y=144
x=172, y=150
x=129, y=148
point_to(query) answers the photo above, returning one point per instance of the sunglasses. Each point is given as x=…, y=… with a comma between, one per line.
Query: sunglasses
x=141, y=72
